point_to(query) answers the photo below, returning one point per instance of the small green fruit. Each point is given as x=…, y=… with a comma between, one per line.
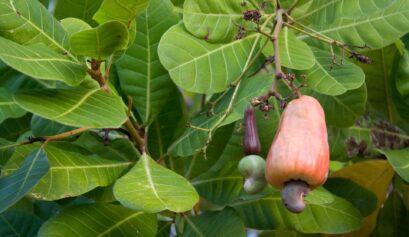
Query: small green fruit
x=252, y=167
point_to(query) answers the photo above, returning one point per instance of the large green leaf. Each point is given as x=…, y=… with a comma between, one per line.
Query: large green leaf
x=41, y=62
x=402, y=77
x=16, y=185
x=214, y=20
x=11, y=129
x=338, y=138
x=74, y=25
x=81, y=9
x=169, y=124
x=45, y=127
x=324, y=214
x=99, y=220
x=198, y=66
x=286, y=233
x=343, y=110
x=323, y=12
x=359, y=196
x=13, y=80
x=375, y=176
x=19, y=223
x=8, y=108
x=393, y=218
x=267, y=125
x=124, y=11
x=154, y=188
x=100, y=42
x=193, y=166
x=294, y=53
x=6, y=150
x=220, y=186
x=383, y=96
x=330, y=79
x=29, y=22
x=225, y=223
x=116, y=149
x=75, y=107
x=72, y=171
x=383, y=24
x=194, y=139
x=399, y=161
x=141, y=74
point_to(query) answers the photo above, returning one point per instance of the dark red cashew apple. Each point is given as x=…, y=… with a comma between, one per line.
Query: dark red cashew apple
x=298, y=159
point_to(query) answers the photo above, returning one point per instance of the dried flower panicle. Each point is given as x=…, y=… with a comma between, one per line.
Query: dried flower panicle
x=386, y=136
x=252, y=15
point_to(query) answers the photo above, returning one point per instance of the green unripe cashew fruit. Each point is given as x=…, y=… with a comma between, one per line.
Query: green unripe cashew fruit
x=253, y=186
x=252, y=167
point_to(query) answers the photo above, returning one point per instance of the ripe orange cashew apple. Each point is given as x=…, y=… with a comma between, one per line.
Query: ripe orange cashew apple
x=298, y=159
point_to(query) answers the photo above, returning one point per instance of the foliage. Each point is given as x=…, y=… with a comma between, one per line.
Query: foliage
x=125, y=118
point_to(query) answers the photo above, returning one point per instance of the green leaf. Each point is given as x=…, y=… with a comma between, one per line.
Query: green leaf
x=41, y=62
x=267, y=125
x=117, y=149
x=393, y=218
x=359, y=196
x=125, y=11
x=79, y=9
x=330, y=79
x=402, y=77
x=323, y=12
x=164, y=228
x=169, y=124
x=140, y=73
x=99, y=220
x=154, y=188
x=74, y=25
x=381, y=26
x=192, y=166
x=286, y=233
x=224, y=223
x=13, y=80
x=343, y=110
x=100, y=42
x=383, y=96
x=71, y=173
x=322, y=214
x=204, y=68
x=44, y=127
x=220, y=186
x=338, y=138
x=194, y=139
x=399, y=161
x=294, y=53
x=375, y=176
x=16, y=185
x=8, y=108
x=75, y=107
x=11, y=129
x=214, y=20
x=6, y=150
x=19, y=223
x=28, y=22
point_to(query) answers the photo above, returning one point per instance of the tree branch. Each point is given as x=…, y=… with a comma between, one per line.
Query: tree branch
x=138, y=140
